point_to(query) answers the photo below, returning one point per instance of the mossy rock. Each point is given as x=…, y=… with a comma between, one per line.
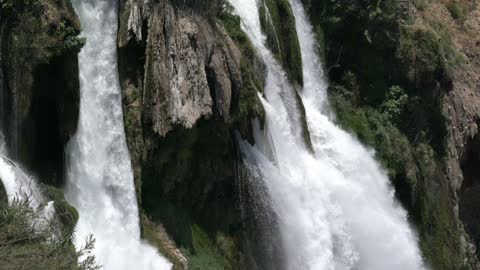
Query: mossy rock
x=278, y=24
x=219, y=254
x=65, y=212
x=247, y=105
x=190, y=175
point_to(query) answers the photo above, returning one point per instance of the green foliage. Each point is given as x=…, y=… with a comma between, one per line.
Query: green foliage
x=71, y=41
x=458, y=10
x=23, y=4
x=208, y=254
x=26, y=242
x=415, y=172
x=427, y=55
x=374, y=129
x=248, y=105
x=395, y=103
x=278, y=23
x=433, y=213
x=420, y=4
x=420, y=52
x=205, y=254
x=66, y=213
x=190, y=179
x=35, y=41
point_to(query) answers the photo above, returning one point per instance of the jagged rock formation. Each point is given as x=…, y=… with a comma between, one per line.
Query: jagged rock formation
x=40, y=93
x=183, y=52
x=186, y=87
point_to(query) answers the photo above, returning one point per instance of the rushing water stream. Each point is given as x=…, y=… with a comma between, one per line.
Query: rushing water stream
x=335, y=206
x=100, y=179
x=18, y=185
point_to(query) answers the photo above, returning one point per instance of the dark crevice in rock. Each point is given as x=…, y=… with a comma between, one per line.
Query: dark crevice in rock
x=40, y=93
x=469, y=199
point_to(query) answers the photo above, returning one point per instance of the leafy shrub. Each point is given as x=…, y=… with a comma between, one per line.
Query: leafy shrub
x=248, y=105
x=24, y=245
x=458, y=10
x=395, y=103
x=214, y=255
x=420, y=52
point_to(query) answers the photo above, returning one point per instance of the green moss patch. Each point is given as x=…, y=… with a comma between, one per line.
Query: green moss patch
x=216, y=255
x=65, y=212
x=278, y=23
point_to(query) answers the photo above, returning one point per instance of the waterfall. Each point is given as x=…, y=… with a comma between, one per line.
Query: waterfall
x=21, y=186
x=336, y=207
x=99, y=174
x=18, y=185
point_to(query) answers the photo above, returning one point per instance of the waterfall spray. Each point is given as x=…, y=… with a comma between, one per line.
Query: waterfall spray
x=335, y=206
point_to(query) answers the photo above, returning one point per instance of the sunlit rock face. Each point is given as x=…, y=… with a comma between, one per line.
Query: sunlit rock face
x=191, y=66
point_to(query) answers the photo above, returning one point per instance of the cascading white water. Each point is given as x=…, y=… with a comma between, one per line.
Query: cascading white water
x=17, y=183
x=20, y=186
x=336, y=208
x=100, y=179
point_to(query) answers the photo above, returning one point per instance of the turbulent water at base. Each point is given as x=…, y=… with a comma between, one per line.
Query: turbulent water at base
x=335, y=206
x=100, y=179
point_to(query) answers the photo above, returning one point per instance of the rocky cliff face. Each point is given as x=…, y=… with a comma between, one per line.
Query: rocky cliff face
x=187, y=85
x=462, y=107
x=183, y=54
x=40, y=86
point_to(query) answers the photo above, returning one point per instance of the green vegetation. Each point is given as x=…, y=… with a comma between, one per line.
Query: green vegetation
x=65, y=212
x=385, y=77
x=415, y=171
x=458, y=10
x=36, y=40
x=188, y=177
x=26, y=242
x=395, y=104
x=248, y=105
x=194, y=171
x=278, y=23
x=420, y=53
x=39, y=42
x=215, y=255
